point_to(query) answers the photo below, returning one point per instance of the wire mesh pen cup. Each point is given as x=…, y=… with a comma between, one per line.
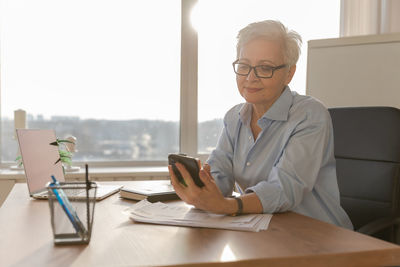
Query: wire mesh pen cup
x=72, y=211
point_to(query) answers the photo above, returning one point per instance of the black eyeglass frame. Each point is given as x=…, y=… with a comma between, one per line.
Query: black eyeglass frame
x=255, y=70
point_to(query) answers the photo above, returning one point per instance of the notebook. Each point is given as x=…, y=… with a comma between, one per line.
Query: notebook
x=41, y=160
x=152, y=190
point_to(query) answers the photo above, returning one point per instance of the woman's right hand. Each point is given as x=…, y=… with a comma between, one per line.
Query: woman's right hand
x=208, y=197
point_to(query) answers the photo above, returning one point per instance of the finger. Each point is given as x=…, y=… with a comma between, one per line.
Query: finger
x=205, y=178
x=199, y=164
x=178, y=187
x=174, y=180
x=210, y=178
x=172, y=175
x=185, y=174
x=207, y=167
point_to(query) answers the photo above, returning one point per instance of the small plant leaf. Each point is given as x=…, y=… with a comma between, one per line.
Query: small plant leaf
x=54, y=143
x=67, y=161
x=64, y=153
x=18, y=159
x=64, y=141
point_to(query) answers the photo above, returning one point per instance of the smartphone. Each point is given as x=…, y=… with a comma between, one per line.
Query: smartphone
x=191, y=166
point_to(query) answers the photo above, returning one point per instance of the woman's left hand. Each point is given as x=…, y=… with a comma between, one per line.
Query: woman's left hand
x=208, y=197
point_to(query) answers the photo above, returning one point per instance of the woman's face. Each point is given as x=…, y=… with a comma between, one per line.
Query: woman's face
x=263, y=91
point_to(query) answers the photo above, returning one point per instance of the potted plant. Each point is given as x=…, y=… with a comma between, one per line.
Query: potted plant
x=63, y=149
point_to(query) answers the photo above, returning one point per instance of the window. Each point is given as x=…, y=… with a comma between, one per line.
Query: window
x=217, y=89
x=109, y=72
x=106, y=72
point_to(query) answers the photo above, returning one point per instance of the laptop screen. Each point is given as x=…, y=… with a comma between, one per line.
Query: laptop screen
x=40, y=158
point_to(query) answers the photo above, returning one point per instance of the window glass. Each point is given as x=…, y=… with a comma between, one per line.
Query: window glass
x=218, y=23
x=106, y=72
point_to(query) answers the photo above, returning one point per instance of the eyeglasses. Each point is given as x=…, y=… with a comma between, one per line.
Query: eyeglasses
x=261, y=71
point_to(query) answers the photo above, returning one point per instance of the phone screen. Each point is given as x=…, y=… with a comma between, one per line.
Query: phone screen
x=191, y=166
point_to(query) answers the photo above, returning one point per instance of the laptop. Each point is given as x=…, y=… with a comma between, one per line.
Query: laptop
x=41, y=161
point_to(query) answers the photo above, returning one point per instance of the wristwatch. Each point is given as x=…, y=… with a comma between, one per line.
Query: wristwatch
x=240, y=206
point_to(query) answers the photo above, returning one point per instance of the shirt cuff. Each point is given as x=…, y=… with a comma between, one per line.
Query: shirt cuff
x=271, y=196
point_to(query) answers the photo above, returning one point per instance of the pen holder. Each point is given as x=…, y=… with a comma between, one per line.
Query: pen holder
x=72, y=209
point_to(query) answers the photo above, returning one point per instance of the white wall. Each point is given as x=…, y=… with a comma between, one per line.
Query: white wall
x=355, y=71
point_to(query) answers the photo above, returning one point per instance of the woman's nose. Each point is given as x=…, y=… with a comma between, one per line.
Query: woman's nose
x=251, y=75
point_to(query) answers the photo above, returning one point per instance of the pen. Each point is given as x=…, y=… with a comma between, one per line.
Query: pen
x=238, y=188
x=67, y=207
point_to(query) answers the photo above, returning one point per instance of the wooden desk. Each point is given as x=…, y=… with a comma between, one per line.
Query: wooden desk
x=291, y=240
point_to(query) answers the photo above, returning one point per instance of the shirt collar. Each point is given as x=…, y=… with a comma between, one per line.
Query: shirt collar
x=245, y=113
x=279, y=111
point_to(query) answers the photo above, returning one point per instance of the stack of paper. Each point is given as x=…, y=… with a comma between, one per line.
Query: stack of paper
x=161, y=213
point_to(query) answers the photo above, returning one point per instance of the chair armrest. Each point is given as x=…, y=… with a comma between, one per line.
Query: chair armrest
x=378, y=225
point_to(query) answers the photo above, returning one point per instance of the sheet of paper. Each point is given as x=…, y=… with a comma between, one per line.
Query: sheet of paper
x=162, y=213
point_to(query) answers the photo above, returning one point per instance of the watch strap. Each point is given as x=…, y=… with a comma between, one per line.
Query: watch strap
x=240, y=206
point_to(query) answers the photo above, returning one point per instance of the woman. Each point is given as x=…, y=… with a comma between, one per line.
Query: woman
x=278, y=145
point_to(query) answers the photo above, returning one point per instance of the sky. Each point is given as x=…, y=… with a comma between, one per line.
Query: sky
x=120, y=59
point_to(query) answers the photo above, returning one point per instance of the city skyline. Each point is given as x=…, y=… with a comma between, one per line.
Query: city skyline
x=114, y=140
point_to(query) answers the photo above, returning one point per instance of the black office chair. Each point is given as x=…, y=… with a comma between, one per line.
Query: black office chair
x=367, y=152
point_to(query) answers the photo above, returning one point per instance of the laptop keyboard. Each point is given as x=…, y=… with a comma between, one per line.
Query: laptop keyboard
x=68, y=193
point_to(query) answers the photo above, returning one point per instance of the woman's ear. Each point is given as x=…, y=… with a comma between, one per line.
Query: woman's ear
x=290, y=74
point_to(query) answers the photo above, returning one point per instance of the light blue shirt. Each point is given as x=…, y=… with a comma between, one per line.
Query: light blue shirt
x=291, y=164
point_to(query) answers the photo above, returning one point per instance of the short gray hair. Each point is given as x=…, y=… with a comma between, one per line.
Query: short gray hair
x=274, y=31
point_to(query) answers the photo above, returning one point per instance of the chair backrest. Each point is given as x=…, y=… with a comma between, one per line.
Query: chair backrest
x=367, y=152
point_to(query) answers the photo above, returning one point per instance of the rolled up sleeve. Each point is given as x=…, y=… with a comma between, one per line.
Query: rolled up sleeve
x=220, y=161
x=296, y=171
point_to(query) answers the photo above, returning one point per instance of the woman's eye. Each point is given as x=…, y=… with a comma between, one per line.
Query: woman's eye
x=265, y=68
x=243, y=67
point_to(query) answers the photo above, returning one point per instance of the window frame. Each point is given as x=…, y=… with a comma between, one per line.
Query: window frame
x=188, y=125
x=189, y=78
x=188, y=98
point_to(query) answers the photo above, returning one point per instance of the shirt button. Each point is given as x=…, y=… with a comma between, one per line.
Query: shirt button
x=250, y=137
x=248, y=164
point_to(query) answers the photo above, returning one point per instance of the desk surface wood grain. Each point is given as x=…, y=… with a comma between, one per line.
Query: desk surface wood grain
x=291, y=240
